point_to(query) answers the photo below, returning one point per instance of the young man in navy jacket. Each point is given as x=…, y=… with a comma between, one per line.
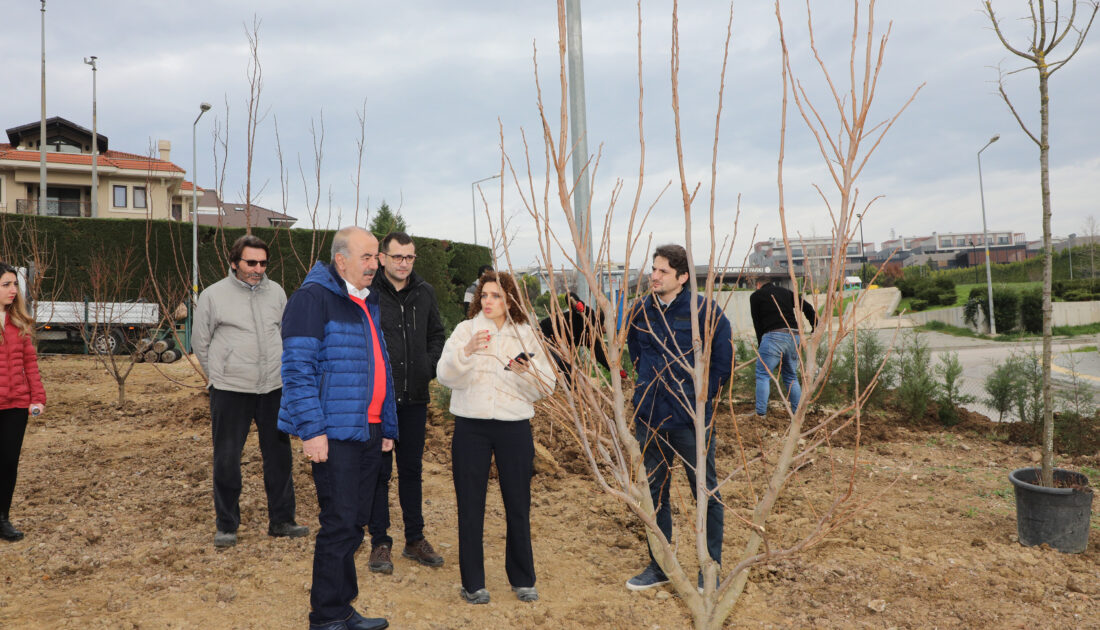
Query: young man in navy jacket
x=659, y=339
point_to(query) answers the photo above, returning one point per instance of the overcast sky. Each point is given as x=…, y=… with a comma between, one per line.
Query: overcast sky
x=438, y=76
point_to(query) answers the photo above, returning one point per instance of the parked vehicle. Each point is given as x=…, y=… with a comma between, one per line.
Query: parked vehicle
x=113, y=327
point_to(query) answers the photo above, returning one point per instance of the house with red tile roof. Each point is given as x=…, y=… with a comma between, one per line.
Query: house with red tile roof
x=130, y=185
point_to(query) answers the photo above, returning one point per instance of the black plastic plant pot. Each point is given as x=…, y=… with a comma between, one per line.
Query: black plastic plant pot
x=1057, y=516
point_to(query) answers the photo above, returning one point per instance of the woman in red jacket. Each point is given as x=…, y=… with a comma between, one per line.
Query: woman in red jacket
x=20, y=389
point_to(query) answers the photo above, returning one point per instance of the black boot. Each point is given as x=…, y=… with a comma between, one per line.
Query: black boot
x=8, y=531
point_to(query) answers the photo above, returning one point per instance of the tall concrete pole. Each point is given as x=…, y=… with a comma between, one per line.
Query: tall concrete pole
x=42, y=126
x=985, y=236
x=203, y=108
x=95, y=144
x=579, y=135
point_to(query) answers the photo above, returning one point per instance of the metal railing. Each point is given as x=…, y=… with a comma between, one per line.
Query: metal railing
x=54, y=208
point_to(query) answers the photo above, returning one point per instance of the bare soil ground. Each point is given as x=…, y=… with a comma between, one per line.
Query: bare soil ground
x=117, y=508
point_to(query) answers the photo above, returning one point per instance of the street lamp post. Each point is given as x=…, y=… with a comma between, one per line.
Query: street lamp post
x=1071, y=237
x=862, y=258
x=95, y=143
x=985, y=236
x=473, y=202
x=42, y=127
x=203, y=108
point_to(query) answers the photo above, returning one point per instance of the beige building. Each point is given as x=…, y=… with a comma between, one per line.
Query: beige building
x=130, y=186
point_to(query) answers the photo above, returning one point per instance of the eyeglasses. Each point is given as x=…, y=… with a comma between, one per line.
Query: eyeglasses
x=255, y=263
x=402, y=259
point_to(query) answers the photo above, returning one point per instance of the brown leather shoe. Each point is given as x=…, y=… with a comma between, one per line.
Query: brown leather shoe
x=380, y=561
x=422, y=552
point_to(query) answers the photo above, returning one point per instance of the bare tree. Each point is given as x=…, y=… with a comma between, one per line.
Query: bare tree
x=255, y=77
x=112, y=279
x=1048, y=33
x=592, y=405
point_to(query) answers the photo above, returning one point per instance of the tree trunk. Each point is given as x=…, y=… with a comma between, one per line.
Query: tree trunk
x=1048, y=275
x=121, y=391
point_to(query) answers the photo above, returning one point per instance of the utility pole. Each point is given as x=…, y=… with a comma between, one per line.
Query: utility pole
x=985, y=237
x=42, y=125
x=579, y=135
x=95, y=143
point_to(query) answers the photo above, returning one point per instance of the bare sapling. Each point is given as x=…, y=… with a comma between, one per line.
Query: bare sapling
x=115, y=287
x=1050, y=29
x=592, y=404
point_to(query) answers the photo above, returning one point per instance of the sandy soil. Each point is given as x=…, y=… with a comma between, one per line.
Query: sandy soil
x=117, y=508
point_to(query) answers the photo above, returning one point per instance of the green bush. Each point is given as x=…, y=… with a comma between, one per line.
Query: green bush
x=872, y=355
x=1006, y=308
x=947, y=299
x=744, y=381
x=918, y=305
x=906, y=286
x=929, y=294
x=1001, y=385
x=1027, y=396
x=916, y=387
x=945, y=285
x=1077, y=290
x=949, y=395
x=1031, y=311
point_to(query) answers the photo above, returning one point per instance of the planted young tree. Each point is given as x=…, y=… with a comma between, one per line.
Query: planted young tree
x=593, y=404
x=1050, y=29
x=916, y=386
x=950, y=395
x=114, y=286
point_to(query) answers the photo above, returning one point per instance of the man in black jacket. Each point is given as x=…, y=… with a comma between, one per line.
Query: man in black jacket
x=777, y=340
x=414, y=337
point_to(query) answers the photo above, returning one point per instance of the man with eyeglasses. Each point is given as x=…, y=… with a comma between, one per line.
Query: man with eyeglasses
x=237, y=341
x=414, y=337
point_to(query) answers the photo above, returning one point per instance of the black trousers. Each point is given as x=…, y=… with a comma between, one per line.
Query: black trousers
x=475, y=444
x=345, y=493
x=232, y=414
x=409, y=452
x=13, y=425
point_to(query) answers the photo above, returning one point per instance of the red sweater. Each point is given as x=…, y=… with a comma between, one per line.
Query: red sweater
x=20, y=383
x=374, y=408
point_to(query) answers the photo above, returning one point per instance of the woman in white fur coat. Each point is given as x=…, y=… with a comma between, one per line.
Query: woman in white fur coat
x=496, y=368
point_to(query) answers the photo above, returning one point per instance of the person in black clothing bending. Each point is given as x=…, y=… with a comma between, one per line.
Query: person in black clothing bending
x=777, y=340
x=579, y=327
x=414, y=336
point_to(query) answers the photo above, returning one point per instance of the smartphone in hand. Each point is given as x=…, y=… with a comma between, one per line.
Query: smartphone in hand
x=523, y=357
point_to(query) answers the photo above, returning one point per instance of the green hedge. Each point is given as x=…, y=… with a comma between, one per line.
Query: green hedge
x=69, y=243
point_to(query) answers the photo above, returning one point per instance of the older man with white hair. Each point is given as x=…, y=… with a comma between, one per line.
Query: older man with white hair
x=338, y=398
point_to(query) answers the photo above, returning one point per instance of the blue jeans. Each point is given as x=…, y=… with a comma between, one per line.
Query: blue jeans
x=777, y=347
x=346, y=484
x=661, y=448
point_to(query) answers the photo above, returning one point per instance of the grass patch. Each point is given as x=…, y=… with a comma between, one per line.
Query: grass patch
x=1072, y=331
x=948, y=329
x=1084, y=349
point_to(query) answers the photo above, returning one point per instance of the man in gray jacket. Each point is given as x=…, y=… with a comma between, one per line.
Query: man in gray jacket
x=237, y=341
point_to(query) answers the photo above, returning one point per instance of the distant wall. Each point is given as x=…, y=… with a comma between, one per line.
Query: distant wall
x=1065, y=314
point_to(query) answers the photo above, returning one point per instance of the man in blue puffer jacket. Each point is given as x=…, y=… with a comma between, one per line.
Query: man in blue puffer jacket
x=338, y=398
x=660, y=343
